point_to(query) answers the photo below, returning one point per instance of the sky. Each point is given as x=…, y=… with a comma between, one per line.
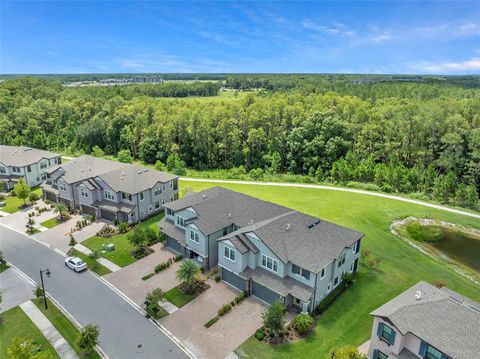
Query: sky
x=275, y=37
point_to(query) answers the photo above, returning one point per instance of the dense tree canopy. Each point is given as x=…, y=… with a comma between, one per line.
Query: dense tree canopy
x=410, y=137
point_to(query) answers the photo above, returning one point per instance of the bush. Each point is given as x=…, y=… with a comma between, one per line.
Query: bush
x=33, y=196
x=364, y=186
x=122, y=227
x=348, y=279
x=140, y=252
x=211, y=322
x=302, y=323
x=152, y=236
x=260, y=334
x=106, y=231
x=162, y=266
x=217, y=278
x=224, y=309
x=178, y=258
x=329, y=299
x=148, y=276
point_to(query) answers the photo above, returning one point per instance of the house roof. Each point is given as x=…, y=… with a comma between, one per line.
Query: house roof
x=218, y=208
x=133, y=179
x=20, y=156
x=302, y=239
x=171, y=230
x=441, y=317
x=84, y=167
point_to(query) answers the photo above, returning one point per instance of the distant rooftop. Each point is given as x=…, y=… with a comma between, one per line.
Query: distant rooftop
x=20, y=156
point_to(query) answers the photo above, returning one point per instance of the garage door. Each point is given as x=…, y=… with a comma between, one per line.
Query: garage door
x=50, y=196
x=233, y=279
x=109, y=216
x=66, y=201
x=174, y=244
x=89, y=210
x=263, y=293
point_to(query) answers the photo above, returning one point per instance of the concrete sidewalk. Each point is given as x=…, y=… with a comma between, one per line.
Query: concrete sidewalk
x=103, y=261
x=58, y=342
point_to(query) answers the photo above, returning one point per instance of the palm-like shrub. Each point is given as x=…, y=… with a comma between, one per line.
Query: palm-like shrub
x=188, y=273
x=302, y=323
x=62, y=210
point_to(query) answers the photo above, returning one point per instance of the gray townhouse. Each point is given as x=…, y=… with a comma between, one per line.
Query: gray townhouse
x=110, y=190
x=271, y=251
x=20, y=161
x=426, y=322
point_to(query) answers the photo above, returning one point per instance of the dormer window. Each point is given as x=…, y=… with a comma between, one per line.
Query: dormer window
x=62, y=187
x=300, y=271
x=109, y=195
x=229, y=253
x=194, y=236
x=157, y=191
x=83, y=192
x=269, y=263
x=180, y=221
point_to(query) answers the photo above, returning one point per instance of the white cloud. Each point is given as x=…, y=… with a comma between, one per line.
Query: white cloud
x=469, y=29
x=335, y=29
x=472, y=65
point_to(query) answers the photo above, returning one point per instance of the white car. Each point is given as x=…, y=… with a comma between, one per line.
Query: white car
x=75, y=264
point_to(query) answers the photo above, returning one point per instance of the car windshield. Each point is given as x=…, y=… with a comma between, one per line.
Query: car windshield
x=80, y=262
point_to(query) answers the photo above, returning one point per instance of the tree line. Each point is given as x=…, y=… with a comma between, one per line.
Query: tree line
x=423, y=139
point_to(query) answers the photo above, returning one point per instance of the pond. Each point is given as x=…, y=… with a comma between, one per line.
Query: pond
x=460, y=246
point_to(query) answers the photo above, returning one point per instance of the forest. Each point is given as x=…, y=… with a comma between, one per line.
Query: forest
x=412, y=135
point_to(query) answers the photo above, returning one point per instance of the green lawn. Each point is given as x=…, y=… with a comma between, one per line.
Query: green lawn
x=92, y=264
x=18, y=324
x=177, y=298
x=50, y=223
x=121, y=255
x=63, y=325
x=12, y=203
x=347, y=321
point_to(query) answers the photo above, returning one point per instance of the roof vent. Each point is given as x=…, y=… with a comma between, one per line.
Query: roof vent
x=229, y=215
x=90, y=168
x=139, y=172
x=418, y=295
x=204, y=196
x=288, y=226
x=250, y=222
x=81, y=170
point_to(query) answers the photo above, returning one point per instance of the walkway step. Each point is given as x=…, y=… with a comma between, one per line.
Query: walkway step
x=169, y=307
x=82, y=249
x=110, y=265
x=58, y=342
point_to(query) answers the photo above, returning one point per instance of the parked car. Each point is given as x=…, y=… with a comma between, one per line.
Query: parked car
x=75, y=264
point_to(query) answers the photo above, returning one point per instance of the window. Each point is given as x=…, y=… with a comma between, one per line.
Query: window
x=83, y=192
x=180, y=221
x=341, y=261
x=229, y=253
x=351, y=267
x=157, y=205
x=157, y=191
x=109, y=195
x=126, y=196
x=322, y=273
x=354, y=248
x=385, y=333
x=2, y=170
x=300, y=271
x=175, y=184
x=163, y=202
x=171, y=184
x=429, y=352
x=329, y=287
x=62, y=187
x=29, y=169
x=194, y=236
x=164, y=187
x=171, y=198
x=58, y=160
x=357, y=247
x=141, y=196
x=43, y=165
x=269, y=263
x=377, y=354
x=169, y=211
x=44, y=176
x=16, y=169
x=225, y=231
x=335, y=281
x=150, y=208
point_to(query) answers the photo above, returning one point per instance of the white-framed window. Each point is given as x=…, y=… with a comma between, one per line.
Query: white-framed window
x=142, y=196
x=44, y=176
x=229, y=253
x=157, y=190
x=43, y=165
x=194, y=236
x=150, y=208
x=171, y=198
x=269, y=263
x=83, y=192
x=351, y=267
x=171, y=184
x=335, y=282
x=2, y=170
x=163, y=202
x=164, y=187
x=354, y=248
x=29, y=169
x=169, y=211
x=62, y=187
x=157, y=205
x=16, y=169
x=300, y=271
x=341, y=260
x=329, y=287
x=322, y=273
x=109, y=195
x=180, y=221
x=126, y=196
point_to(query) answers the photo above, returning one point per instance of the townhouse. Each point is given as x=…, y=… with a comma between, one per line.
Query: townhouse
x=426, y=322
x=113, y=191
x=271, y=251
x=19, y=161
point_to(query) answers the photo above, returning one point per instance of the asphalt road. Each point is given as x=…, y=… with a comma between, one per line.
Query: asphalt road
x=124, y=332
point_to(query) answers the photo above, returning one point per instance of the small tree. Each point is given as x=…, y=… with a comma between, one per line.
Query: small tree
x=274, y=317
x=22, y=348
x=124, y=156
x=151, y=234
x=38, y=292
x=159, y=165
x=72, y=242
x=22, y=190
x=188, y=273
x=87, y=338
x=62, y=210
x=137, y=238
x=302, y=323
x=97, y=151
x=347, y=353
x=176, y=165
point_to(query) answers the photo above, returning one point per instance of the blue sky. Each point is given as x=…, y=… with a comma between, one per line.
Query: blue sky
x=353, y=37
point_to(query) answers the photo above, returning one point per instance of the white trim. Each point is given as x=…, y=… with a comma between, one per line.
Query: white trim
x=230, y=251
x=266, y=262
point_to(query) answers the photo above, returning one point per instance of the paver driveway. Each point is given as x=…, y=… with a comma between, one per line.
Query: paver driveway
x=225, y=335
x=129, y=279
x=19, y=219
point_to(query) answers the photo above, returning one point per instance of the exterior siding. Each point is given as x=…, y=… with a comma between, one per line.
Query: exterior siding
x=34, y=177
x=240, y=260
x=201, y=247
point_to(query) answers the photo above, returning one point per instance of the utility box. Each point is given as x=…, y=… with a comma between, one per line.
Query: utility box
x=110, y=247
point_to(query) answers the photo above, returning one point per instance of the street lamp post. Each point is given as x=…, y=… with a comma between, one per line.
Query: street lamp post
x=47, y=272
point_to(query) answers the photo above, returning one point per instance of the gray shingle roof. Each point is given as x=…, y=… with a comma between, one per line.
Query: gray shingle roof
x=442, y=318
x=171, y=230
x=84, y=167
x=133, y=179
x=20, y=156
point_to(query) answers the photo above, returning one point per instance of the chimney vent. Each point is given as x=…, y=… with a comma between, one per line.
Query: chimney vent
x=418, y=295
x=288, y=226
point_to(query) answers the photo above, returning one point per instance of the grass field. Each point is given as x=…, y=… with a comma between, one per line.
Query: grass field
x=18, y=324
x=50, y=223
x=92, y=264
x=176, y=297
x=63, y=325
x=12, y=203
x=347, y=321
x=121, y=255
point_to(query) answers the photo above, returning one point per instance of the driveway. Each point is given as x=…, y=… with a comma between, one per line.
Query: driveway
x=129, y=279
x=227, y=333
x=59, y=236
x=18, y=220
x=15, y=289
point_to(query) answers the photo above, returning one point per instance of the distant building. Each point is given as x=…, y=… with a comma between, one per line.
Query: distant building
x=19, y=161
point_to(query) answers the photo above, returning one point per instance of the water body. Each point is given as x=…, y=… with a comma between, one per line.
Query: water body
x=460, y=246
